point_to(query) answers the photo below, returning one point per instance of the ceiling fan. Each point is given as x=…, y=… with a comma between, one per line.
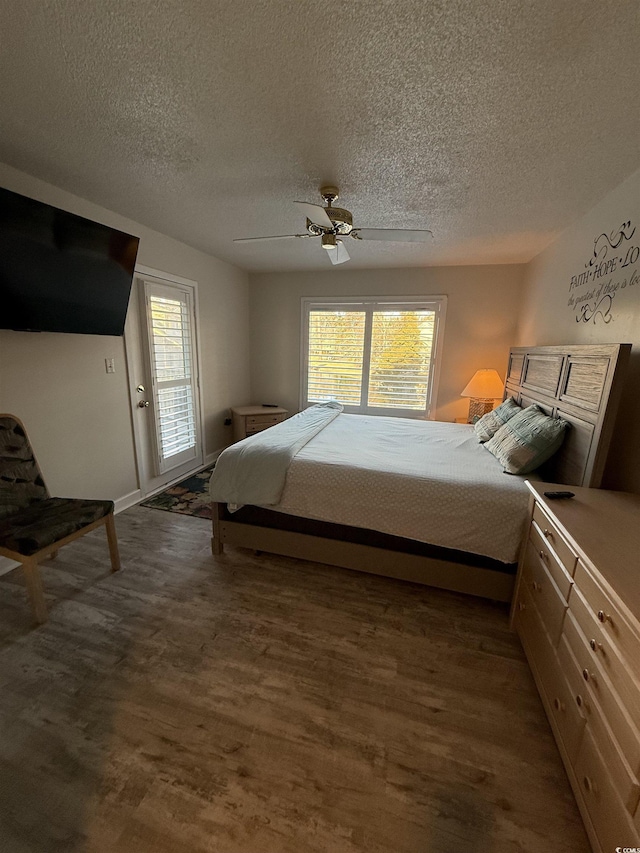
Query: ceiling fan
x=331, y=224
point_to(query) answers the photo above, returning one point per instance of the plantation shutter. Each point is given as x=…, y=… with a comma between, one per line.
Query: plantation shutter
x=336, y=351
x=375, y=357
x=401, y=348
x=171, y=350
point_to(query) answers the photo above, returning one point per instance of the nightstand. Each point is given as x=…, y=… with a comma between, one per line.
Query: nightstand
x=247, y=420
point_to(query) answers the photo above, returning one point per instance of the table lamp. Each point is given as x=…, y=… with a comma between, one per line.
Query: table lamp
x=484, y=388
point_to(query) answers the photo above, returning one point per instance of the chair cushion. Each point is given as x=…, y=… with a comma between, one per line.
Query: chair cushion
x=45, y=522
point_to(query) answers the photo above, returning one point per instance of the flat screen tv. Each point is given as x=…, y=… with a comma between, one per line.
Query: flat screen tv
x=60, y=272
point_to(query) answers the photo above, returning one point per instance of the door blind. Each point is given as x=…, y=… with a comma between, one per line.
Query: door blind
x=173, y=359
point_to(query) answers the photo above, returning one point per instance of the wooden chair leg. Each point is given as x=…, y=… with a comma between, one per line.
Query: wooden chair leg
x=34, y=587
x=112, y=539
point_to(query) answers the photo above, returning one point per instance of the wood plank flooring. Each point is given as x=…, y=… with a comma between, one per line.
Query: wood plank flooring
x=256, y=704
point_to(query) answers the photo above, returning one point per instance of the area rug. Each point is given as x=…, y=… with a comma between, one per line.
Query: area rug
x=189, y=496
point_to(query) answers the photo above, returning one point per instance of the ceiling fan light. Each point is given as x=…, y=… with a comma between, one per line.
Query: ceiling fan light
x=329, y=242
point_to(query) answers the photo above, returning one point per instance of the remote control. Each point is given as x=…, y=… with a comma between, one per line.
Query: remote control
x=554, y=495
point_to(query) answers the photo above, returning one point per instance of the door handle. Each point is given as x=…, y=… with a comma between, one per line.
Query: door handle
x=143, y=404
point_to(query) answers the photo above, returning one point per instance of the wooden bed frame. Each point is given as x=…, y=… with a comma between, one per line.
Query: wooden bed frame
x=581, y=384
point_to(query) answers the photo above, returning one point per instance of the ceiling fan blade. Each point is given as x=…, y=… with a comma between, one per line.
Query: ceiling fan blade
x=316, y=214
x=277, y=237
x=399, y=235
x=338, y=255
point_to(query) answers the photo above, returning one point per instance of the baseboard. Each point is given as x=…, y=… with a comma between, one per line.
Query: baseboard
x=210, y=458
x=128, y=500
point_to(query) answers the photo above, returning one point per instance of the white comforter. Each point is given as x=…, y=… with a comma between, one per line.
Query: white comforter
x=254, y=470
x=423, y=480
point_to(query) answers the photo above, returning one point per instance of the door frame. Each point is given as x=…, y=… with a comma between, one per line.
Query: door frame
x=140, y=348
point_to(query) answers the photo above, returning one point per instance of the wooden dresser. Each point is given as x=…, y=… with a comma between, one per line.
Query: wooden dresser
x=577, y=610
x=248, y=420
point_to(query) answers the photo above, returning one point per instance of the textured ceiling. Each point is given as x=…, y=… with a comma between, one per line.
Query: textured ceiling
x=493, y=123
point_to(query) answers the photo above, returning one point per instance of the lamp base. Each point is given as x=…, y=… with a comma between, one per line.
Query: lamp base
x=478, y=408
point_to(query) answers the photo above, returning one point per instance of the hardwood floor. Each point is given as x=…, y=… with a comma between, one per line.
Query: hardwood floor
x=256, y=704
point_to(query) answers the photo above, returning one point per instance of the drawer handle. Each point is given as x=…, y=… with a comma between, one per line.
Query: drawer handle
x=604, y=617
x=544, y=556
x=589, y=676
x=558, y=705
x=536, y=586
x=547, y=533
x=590, y=785
x=596, y=646
x=521, y=606
x=582, y=703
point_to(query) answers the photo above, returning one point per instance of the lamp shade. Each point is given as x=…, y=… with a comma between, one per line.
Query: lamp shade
x=485, y=384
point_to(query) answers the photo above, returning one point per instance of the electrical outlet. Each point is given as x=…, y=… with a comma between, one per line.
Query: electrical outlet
x=110, y=365
x=227, y=421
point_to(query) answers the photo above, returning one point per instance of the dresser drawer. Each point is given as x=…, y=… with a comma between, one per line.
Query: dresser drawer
x=622, y=769
x=610, y=818
x=614, y=625
x=565, y=715
x=555, y=568
x=607, y=654
x=546, y=596
x=601, y=699
x=532, y=632
x=263, y=420
x=555, y=539
x=562, y=707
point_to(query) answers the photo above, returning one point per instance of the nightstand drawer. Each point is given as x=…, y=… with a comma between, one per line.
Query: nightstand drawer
x=555, y=539
x=263, y=420
x=248, y=420
x=611, y=819
x=253, y=428
x=607, y=614
x=545, y=594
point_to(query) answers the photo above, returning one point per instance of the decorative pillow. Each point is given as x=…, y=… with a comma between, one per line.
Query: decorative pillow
x=527, y=440
x=489, y=424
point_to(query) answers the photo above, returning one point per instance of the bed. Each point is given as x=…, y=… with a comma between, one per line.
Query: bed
x=442, y=511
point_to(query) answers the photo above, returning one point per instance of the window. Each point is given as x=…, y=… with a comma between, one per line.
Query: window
x=374, y=356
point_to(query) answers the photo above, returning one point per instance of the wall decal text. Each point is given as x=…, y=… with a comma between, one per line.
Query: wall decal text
x=611, y=269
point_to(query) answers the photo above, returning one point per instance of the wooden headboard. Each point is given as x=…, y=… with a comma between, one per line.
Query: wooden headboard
x=581, y=384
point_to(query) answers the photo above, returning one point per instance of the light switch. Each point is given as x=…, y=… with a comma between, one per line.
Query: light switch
x=110, y=365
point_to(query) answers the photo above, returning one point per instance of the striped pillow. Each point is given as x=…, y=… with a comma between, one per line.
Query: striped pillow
x=489, y=424
x=527, y=440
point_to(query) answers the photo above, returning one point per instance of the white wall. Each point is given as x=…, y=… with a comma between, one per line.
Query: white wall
x=77, y=416
x=553, y=281
x=482, y=311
